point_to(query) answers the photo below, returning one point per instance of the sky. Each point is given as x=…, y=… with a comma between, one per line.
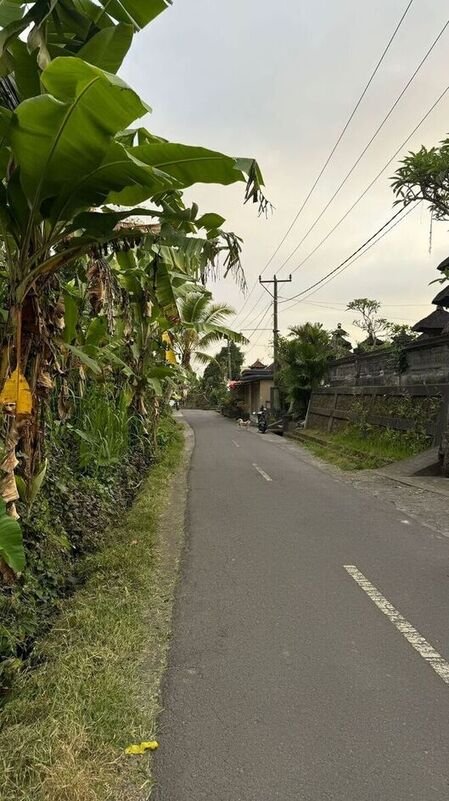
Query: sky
x=278, y=81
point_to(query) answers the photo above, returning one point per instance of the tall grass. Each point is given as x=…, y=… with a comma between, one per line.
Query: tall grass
x=103, y=427
x=366, y=447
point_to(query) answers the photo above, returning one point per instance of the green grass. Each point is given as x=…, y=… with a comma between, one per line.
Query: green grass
x=351, y=449
x=97, y=687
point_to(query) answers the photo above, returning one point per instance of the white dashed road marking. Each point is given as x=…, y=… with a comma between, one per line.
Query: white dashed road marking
x=262, y=472
x=235, y=443
x=424, y=649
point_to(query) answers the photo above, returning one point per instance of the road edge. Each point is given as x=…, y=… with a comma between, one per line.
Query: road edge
x=138, y=784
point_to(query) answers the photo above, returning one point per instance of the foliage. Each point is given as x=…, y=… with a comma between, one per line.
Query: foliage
x=11, y=546
x=353, y=449
x=424, y=175
x=67, y=520
x=103, y=428
x=400, y=336
x=96, y=290
x=67, y=722
x=369, y=322
x=214, y=378
x=303, y=355
x=201, y=325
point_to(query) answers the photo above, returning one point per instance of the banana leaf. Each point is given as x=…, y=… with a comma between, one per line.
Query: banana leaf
x=62, y=137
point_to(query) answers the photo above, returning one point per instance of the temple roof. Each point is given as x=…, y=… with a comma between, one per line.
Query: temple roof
x=444, y=265
x=434, y=323
x=339, y=331
x=442, y=299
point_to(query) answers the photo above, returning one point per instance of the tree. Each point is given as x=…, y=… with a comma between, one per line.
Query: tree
x=369, y=322
x=304, y=356
x=229, y=355
x=424, y=175
x=201, y=325
x=216, y=372
x=72, y=174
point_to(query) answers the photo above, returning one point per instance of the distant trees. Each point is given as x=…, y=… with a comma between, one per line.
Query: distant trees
x=369, y=322
x=213, y=383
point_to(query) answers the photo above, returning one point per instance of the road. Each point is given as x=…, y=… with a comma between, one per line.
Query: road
x=303, y=665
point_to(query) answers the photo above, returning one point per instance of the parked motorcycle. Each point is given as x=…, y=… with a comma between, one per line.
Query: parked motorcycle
x=262, y=420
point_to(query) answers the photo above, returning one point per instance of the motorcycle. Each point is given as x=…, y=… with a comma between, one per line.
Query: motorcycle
x=262, y=421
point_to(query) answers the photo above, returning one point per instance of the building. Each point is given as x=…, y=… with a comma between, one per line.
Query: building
x=255, y=387
x=435, y=323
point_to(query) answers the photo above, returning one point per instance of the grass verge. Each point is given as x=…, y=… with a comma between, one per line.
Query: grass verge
x=352, y=449
x=96, y=689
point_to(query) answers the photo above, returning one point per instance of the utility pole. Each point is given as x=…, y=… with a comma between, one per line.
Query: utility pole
x=275, y=281
x=229, y=361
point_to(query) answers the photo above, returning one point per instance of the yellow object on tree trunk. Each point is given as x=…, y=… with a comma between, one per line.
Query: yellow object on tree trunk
x=16, y=390
x=170, y=355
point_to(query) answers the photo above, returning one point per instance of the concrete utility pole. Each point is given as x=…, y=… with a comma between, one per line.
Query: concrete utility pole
x=229, y=360
x=275, y=281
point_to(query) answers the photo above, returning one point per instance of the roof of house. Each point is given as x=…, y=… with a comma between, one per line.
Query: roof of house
x=444, y=265
x=258, y=365
x=442, y=299
x=256, y=373
x=434, y=322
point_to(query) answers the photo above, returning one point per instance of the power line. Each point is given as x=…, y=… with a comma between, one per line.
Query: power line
x=357, y=254
x=365, y=191
x=334, y=148
x=357, y=201
x=345, y=310
x=254, y=345
x=261, y=317
x=252, y=309
x=329, y=304
x=339, y=266
x=344, y=266
x=377, y=131
x=342, y=133
x=374, y=180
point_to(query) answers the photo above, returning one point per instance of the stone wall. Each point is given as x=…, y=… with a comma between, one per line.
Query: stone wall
x=424, y=362
x=406, y=390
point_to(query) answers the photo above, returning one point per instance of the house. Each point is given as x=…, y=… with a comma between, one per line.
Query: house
x=255, y=387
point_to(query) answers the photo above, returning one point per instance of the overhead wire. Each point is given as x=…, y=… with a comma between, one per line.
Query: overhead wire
x=254, y=344
x=342, y=133
x=337, y=142
x=374, y=180
x=367, y=146
x=385, y=229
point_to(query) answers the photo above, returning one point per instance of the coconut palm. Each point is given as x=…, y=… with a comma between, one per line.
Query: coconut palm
x=202, y=324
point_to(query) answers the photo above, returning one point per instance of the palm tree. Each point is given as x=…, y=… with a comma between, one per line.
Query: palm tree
x=202, y=324
x=304, y=357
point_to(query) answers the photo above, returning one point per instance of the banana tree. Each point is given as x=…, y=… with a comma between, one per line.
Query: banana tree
x=99, y=33
x=62, y=157
x=158, y=277
x=67, y=160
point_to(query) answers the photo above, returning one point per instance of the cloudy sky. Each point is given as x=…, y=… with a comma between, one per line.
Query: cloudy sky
x=278, y=81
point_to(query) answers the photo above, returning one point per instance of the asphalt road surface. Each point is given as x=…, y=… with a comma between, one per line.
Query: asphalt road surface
x=310, y=640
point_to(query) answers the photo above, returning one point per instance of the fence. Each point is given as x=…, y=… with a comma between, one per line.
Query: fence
x=412, y=408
